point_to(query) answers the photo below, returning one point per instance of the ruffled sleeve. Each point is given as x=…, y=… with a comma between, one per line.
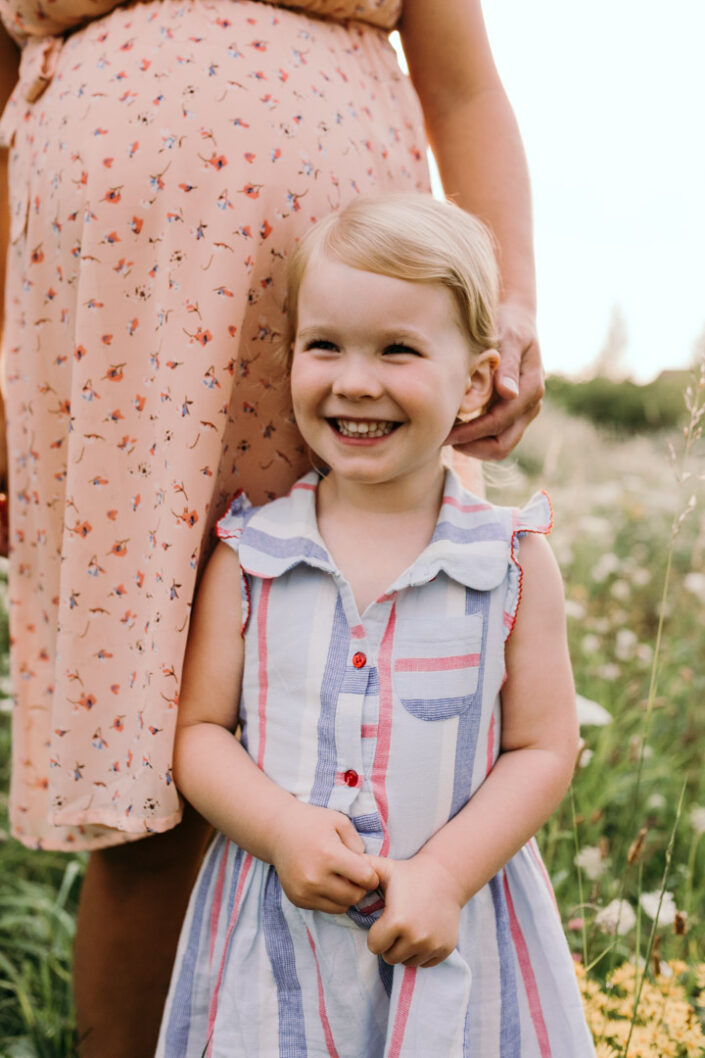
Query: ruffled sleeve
x=535, y=517
x=229, y=529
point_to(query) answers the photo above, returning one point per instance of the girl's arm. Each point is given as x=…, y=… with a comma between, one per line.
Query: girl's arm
x=317, y=852
x=424, y=895
x=474, y=136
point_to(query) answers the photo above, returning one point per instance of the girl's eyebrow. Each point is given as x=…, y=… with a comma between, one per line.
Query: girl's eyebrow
x=385, y=337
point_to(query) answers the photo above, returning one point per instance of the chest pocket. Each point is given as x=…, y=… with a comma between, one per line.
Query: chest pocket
x=437, y=665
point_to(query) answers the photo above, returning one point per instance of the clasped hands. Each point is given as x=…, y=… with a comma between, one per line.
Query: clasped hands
x=322, y=866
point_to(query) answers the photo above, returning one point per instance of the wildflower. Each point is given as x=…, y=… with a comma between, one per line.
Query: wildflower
x=695, y=583
x=617, y=917
x=591, y=862
x=590, y=644
x=625, y=644
x=666, y=913
x=591, y=713
x=697, y=819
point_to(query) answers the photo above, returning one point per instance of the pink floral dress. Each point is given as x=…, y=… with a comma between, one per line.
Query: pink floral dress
x=164, y=159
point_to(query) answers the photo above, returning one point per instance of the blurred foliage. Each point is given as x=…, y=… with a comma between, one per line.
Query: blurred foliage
x=623, y=406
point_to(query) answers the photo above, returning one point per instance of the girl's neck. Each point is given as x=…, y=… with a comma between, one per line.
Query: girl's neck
x=374, y=533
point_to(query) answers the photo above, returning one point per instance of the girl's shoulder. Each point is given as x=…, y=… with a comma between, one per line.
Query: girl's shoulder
x=272, y=538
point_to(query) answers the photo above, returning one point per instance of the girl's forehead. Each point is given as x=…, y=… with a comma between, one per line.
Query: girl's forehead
x=332, y=289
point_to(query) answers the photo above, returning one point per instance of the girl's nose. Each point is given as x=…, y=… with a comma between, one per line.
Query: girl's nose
x=357, y=378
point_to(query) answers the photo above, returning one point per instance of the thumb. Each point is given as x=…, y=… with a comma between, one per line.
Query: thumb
x=506, y=379
x=383, y=867
x=348, y=835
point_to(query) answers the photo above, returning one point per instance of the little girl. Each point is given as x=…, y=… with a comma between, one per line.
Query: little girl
x=375, y=890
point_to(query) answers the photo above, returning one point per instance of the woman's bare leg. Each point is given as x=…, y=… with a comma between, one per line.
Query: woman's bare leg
x=132, y=904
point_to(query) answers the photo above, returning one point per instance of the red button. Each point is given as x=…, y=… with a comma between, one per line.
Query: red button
x=351, y=777
x=359, y=660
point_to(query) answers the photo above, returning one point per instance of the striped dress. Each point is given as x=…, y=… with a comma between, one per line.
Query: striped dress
x=394, y=719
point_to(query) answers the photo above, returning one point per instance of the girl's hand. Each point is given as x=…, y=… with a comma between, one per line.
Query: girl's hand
x=320, y=859
x=419, y=925
x=519, y=386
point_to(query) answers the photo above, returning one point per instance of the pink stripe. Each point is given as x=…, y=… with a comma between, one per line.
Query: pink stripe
x=305, y=485
x=218, y=898
x=457, y=661
x=466, y=508
x=527, y=972
x=263, y=680
x=330, y=1043
x=357, y=632
x=384, y=727
x=404, y=1006
x=490, y=747
x=213, y=1011
x=368, y=731
x=534, y=850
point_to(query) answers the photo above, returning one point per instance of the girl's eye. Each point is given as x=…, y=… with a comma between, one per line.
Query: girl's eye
x=400, y=349
x=321, y=343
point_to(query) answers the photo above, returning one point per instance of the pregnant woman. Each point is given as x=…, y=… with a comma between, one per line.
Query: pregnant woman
x=164, y=157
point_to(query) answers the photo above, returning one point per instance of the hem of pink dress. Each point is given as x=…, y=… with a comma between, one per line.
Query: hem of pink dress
x=90, y=834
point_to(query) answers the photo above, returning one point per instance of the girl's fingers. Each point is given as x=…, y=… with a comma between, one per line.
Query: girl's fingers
x=349, y=836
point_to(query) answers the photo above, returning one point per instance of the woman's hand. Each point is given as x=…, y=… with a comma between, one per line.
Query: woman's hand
x=320, y=859
x=519, y=386
x=419, y=924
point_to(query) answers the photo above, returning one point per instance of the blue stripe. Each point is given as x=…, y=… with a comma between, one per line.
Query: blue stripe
x=469, y=722
x=437, y=708
x=298, y=547
x=356, y=681
x=327, y=763
x=369, y=823
x=280, y=949
x=177, y=1030
x=386, y=975
x=457, y=534
x=509, y=1026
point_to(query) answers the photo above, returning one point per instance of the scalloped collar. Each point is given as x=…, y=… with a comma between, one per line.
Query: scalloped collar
x=471, y=542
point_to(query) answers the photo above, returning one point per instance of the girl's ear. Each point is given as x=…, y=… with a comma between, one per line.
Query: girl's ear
x=480, y=384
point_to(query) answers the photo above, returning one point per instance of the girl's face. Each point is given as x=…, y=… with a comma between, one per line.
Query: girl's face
x=380, y=370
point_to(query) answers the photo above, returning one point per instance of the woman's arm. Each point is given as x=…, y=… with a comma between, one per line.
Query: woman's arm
x=532, y=773
x=474, y=136
x=317, y=852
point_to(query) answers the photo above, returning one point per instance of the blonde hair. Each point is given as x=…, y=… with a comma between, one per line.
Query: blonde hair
x=413, y=237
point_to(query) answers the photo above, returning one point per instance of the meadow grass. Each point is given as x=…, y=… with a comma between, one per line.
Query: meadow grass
x=618, y=843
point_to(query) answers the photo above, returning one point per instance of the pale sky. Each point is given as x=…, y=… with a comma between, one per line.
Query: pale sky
x=610, y=98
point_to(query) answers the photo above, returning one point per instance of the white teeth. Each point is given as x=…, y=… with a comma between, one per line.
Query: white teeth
x=355, y=428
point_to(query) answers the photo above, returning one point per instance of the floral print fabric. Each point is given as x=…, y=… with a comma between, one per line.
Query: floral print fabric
x=176, y=153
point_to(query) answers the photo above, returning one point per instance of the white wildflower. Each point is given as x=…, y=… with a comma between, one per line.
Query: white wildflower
x=575, y=609
x=590, y=644
x=591, y=713
x=625, y=644
x=695, y=583
x=650, y=906
x=641, y=577
x=617, y=917
x=585, y=757
x=621, y=590
x=590, y=861
x=645, y=653
x=657, y=800
x=605, y=565
x=697, y=819
x=609, y=672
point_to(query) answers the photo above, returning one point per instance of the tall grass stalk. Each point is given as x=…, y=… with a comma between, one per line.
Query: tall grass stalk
x=641, y=977
x=692, y=432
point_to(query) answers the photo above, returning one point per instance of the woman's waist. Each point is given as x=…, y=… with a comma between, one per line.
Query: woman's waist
x=30, y=19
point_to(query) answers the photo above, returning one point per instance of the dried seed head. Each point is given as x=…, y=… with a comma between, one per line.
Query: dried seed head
x=637, y=846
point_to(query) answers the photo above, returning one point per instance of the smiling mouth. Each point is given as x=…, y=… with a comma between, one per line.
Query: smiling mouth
x=363, y=428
